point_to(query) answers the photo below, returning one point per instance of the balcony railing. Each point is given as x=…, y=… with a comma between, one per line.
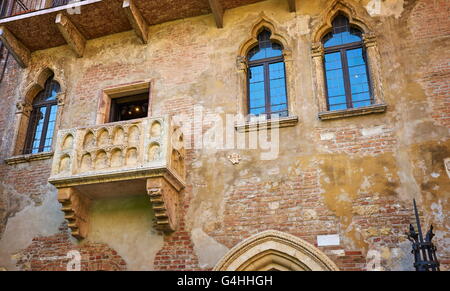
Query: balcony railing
x=144, y=156
x=117, y=151
x=15, y=7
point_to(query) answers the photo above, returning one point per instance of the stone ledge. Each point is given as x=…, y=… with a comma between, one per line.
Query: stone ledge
x=267, y=124
x=28, y=158
x=378, y=108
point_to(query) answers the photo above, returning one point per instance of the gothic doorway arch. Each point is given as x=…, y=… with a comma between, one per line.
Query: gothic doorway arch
x=275, y=250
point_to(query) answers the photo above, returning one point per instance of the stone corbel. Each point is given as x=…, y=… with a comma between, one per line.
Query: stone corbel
x=71, y=34
x=24, y=108
x=241, y=63
x=18, y=50
x=165, y=203
x=61, y=99
x=217, y=11
x=287, y=54
x=136, y=20
x=76, y=211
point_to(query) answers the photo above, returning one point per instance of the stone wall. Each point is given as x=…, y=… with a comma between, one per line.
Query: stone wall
x=353, y=177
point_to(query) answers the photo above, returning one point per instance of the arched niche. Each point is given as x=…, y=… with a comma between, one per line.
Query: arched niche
x=275, y=250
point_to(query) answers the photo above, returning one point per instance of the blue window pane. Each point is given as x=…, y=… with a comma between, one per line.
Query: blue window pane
x=39, y=126
x=342, y=33
x=359, y=81
x=335, y=81
x=277, y=84
x=257, y=90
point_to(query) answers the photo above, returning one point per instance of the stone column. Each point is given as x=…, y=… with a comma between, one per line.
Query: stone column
x=20, y=127
x=290, y=81
x=318, y=56
x=242, y=67
x=373, y=59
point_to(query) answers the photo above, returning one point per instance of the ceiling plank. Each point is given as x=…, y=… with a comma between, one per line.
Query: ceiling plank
x=217, y=11
x=136, y=19
x=71, y=34
x=19, y=51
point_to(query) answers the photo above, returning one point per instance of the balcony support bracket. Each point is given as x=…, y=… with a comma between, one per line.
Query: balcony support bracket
x=71, y=34
x=217, y=11
x=76, y=211
x=19, y=51
x=292, y=5
x=136, y=19
x=165, y=203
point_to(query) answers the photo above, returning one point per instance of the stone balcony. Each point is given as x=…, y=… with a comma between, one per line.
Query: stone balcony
x=144, y=156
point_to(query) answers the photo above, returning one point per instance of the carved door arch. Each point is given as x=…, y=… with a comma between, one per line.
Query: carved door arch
x=275, y=250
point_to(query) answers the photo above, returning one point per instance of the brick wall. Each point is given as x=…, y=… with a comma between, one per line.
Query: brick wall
x=357, y=140
x=51, y=254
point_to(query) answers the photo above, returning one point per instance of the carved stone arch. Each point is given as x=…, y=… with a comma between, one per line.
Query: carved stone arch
x=38, y=85
x=242, y=64
x=271, y=250
x=262, y=23
x=357, y=17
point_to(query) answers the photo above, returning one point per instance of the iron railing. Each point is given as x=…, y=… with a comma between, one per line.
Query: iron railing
x=423, y=249
x=16, y=7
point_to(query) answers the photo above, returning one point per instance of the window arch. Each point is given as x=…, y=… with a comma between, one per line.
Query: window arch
x=347, y=78
x=266, y=77
x=42, y=120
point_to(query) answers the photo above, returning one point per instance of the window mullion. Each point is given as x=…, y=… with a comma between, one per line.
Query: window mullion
x=346, y=73
x=44, y=128
x=32, y=126
x=267, y=88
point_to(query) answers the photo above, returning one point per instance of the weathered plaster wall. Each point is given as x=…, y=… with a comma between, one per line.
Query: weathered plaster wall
x=355, y=177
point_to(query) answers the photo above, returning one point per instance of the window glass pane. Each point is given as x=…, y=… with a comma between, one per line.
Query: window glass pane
x=40, y=118
x=342, y=38
x=259, y=53
x=359, y=81
x=257, y=90
x=342, y=33
x=335, y=81
x=278, y=100
x=265, y=48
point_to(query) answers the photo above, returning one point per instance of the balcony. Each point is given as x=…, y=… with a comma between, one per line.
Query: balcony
x=139, y=157
x=31, y=25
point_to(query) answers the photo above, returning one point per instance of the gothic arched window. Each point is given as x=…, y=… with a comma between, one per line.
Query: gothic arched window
x=267, y=78
x=346, y=73
x=42, y=119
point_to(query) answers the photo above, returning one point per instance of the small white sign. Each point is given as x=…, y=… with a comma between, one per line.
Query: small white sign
x=328, y=240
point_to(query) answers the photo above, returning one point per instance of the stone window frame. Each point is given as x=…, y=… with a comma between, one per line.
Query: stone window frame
x=373, y=58
x=24, y=108
x=118, y=91
x=242, y=71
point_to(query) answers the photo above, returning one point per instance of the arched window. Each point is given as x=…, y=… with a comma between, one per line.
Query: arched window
x=42, y=119
x=346, y=72
x=267, y=78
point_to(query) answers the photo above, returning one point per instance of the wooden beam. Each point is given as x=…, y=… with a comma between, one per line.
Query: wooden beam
x=19, y=51
x=217, y=11
x=136, y=19
x=71, y=34
x=292, y=5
